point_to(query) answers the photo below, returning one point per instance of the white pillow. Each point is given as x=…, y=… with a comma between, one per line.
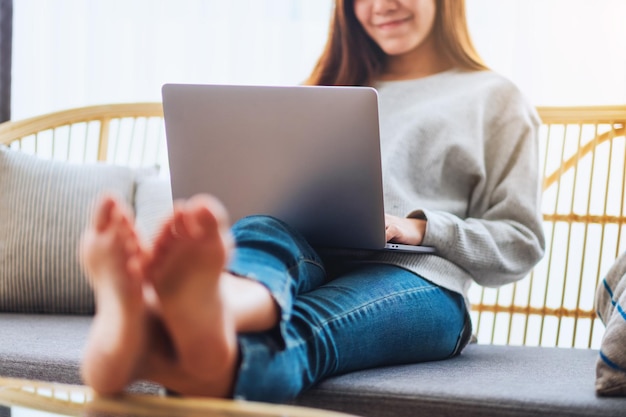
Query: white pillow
x=44, y=208
x=153, y=204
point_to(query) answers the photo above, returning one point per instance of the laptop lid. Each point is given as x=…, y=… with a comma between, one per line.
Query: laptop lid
x=308, y=155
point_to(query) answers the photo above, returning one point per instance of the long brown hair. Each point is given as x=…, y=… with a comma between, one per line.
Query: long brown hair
x=351, y=57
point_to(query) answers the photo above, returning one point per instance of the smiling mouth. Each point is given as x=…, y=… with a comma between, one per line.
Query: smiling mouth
x=392, y=24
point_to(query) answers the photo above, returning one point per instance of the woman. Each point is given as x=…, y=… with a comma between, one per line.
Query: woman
x=254, y=312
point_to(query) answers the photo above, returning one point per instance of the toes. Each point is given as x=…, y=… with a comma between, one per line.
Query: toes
x=134, y=267
x=192, y=220
x=183, y=226
x=130, y=245
x=167, y=231
x=122, y=230
x=204, y=220
x=109, y=211
x=209, y=216
x=103, y=213
x=213, y=209
x=199, y=222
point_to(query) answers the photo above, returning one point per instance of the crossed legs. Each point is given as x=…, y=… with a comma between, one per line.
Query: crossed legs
x=169, y=313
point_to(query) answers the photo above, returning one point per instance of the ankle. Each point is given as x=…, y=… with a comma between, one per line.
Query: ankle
x=251, y=304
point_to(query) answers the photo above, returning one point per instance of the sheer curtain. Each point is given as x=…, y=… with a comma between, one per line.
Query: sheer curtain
x=69, y=53
x=560, y=52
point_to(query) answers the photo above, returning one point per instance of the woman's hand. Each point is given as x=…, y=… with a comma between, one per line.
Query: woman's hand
x=404, y=230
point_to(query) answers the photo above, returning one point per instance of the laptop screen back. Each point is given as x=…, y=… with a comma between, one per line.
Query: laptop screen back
x=309, y=156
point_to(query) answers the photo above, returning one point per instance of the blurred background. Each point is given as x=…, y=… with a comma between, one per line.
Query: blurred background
x=71, y=53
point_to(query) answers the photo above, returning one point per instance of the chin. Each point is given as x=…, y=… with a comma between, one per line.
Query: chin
x=397, y=48
x=396, y=51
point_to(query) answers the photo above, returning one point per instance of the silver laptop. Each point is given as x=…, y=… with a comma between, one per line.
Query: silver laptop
x=309, y=156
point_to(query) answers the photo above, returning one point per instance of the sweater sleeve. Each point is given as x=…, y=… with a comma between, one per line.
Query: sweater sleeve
x=502, y=237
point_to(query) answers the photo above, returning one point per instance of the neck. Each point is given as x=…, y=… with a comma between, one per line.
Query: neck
x=420, y=62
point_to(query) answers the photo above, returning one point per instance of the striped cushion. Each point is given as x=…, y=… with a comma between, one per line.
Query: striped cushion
x=611, y=308
x=44, y=208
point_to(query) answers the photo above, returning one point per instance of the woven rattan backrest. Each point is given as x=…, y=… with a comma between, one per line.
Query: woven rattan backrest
x=127, y=134
x=582, y=154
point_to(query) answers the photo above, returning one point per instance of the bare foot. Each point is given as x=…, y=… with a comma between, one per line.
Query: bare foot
x=111, y=257
x=187, y=271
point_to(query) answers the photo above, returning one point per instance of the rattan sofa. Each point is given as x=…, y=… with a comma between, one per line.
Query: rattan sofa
x=537, y=340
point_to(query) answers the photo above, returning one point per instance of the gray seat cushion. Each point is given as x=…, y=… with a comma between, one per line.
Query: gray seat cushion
x=47, y=347
x=483, y=381
x=44, y=347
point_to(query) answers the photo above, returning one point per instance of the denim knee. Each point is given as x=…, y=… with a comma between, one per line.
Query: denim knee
x=270, y=251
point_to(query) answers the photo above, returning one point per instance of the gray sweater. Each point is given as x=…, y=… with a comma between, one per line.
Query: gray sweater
x=460, y=150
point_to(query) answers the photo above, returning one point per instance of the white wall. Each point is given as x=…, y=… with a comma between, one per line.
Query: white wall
x=560, y=52
x=70, y=53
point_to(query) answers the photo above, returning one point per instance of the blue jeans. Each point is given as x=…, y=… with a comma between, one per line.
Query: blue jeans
x=363, y=316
